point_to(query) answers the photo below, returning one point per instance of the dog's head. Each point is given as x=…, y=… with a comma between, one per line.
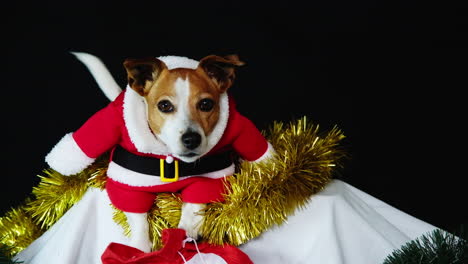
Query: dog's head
x=183, y=105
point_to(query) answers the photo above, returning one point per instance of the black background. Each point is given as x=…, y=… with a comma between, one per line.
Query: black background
x=391, y=74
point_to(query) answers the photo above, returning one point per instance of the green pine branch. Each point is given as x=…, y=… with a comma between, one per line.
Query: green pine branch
x=436, y=247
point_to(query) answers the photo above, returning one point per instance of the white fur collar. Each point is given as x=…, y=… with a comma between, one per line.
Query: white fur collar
x=136, y=122
x=135, y=117
x=174, y=62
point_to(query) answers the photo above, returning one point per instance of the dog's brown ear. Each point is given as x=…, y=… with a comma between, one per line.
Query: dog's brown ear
x=142, y=72
x=221, y=69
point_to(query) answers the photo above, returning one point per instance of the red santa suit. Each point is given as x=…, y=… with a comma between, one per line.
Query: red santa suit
x=123, y=123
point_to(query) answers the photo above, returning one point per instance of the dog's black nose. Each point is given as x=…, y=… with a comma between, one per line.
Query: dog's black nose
x=191, y=140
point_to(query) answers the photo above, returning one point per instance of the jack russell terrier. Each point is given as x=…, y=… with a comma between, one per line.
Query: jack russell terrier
x=173, y=129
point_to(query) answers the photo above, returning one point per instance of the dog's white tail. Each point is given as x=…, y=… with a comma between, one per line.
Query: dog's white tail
x=101, y=74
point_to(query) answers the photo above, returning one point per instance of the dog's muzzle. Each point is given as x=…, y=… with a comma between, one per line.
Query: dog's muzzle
x=171, y=172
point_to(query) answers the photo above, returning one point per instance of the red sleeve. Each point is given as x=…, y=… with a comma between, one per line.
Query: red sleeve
x=100, y=132
x=250, y=144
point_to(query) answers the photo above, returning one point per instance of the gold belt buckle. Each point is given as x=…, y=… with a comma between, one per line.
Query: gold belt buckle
x=176, y=171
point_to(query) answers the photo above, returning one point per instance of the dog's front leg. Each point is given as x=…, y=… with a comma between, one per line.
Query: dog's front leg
x=139, y=231
x=191, y=219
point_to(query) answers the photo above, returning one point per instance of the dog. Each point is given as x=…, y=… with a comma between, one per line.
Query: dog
x=173, y=129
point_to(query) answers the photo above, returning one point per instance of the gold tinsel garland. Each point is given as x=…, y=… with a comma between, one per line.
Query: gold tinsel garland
x=50, y=200
x=261, y=195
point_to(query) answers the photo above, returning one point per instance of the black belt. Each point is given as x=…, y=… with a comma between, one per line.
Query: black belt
x=170, y=171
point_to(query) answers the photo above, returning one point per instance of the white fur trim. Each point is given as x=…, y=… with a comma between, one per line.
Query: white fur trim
x=268, y=153
x=174, y=62
x=218, y=131
x=100, y=73
x=67, y=158
x=132, y=178
x=136, y=121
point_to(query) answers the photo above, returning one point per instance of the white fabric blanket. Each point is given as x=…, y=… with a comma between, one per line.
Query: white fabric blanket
x=339, y=225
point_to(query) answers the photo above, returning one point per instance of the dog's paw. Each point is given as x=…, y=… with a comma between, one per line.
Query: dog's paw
x=142, y=243
x=139, y=229
x=191, y=219
x=192, y=230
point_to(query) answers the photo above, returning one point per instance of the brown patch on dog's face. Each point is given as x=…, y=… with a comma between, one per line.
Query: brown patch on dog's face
x=204, y=101
x=161, y=91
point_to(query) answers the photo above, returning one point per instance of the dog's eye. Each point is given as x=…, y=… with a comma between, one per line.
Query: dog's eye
x=165, y=106
x=206, y=105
